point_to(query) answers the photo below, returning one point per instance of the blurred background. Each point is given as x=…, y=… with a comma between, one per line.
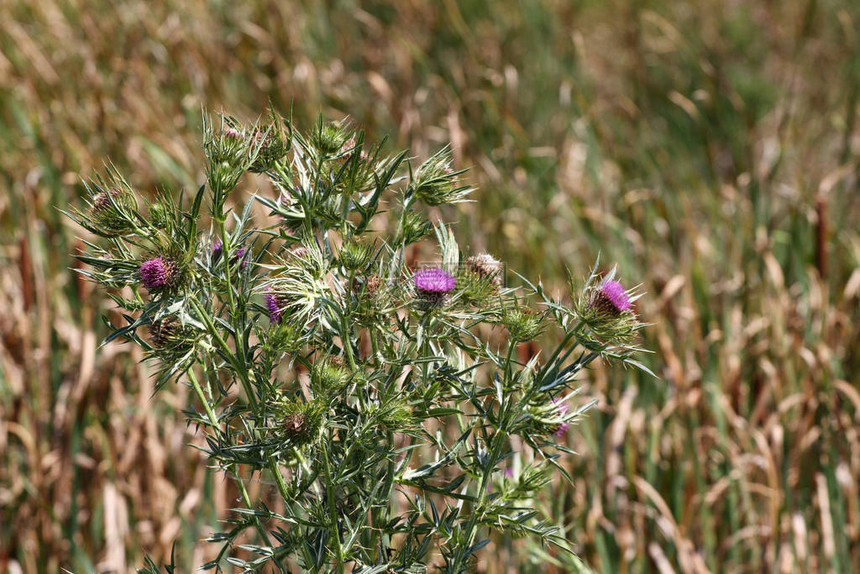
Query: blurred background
x=709, y=147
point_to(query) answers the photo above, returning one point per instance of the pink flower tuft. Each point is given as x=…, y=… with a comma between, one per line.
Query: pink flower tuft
x=434, y=281
x=562, y=409
x=157, y=273
x=274, y=305
x=616, y=295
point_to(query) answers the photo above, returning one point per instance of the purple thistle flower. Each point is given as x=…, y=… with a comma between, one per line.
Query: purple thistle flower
x=230, y=133
x=616, y=295
x=609, y=301
x=434, y=281
x=240, y=254
x=157, y=273
x=562, y=409
x=274, y=305
x=218, y=251
x=433, y=285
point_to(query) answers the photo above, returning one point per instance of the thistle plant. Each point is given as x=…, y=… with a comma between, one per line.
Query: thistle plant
x=383, y=407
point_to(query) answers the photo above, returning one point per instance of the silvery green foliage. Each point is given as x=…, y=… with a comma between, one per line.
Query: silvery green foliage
x=397, y=432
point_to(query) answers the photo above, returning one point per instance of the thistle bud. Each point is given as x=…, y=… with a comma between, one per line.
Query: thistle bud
x=110, y=210
x=228, y=146
x=329, y=137
x=523, y=323
x=354, y=256
x=159, y=215
x=299, y=423
x=271, y=144
x=607, y=312
x=480, y=278
x=240, y=255
x=414, y=228
x=561, y=412
x=552, y=418
x=371, y=301
x=433, y=286
x=435, y=182
x=330, y=376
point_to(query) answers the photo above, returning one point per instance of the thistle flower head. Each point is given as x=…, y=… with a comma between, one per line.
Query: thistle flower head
x=486, y=266
x=110, y=210
x=433, y=285
x=611, y=298
x=330, y=376
x=523, y=323
x=271, y=143
x=606, y=309
x=299, y=423
x=163, y=331
x=275, y=305
x=158, y=273
x=434, y=281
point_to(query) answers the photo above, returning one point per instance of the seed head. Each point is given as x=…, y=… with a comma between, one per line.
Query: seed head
x=487, y=267
x=164, y=331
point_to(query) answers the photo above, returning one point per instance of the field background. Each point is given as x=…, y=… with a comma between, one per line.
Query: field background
x=710, y=147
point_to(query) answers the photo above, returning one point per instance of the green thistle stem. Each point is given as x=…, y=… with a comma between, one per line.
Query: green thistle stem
x=228, y=353
x=332, y=509
x=213, y=421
